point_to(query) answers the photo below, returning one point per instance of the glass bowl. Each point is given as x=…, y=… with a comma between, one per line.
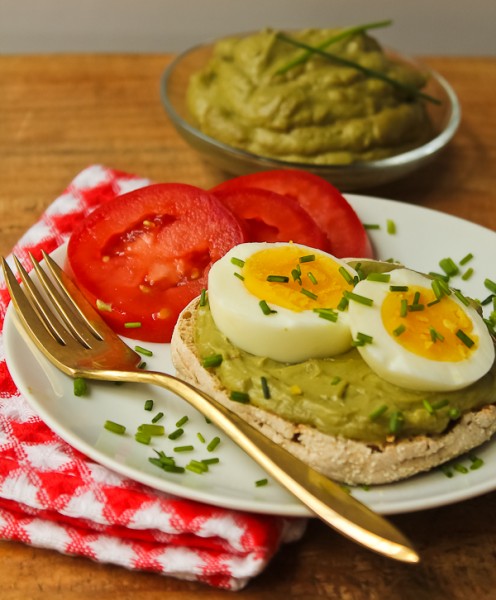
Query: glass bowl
x=348, y=177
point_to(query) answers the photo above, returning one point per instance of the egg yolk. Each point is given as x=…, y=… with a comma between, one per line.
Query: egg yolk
x=296, y=279
x=435, y=330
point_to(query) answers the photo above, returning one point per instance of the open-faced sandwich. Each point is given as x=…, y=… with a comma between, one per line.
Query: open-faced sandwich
x=368, y=371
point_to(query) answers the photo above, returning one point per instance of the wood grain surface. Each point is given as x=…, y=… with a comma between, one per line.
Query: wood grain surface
x=59, y=114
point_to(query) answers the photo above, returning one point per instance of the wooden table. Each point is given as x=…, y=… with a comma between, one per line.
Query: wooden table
x=59, y=114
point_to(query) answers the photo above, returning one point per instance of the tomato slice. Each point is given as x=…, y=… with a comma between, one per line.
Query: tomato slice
x=144, y=255
x=271, y=217
x=321, y=200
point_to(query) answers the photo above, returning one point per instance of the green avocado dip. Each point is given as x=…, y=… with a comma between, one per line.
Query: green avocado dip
x=318, y=112
x=340, y=396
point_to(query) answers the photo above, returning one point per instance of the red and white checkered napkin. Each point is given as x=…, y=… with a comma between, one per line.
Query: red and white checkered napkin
x=52, y=496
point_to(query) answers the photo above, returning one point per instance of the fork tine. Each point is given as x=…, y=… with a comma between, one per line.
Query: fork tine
x=64, y=308
x=35, y=301
x=75, y=299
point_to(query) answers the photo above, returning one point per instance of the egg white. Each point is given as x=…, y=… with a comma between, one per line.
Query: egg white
x=402, y=367
x=286, y=335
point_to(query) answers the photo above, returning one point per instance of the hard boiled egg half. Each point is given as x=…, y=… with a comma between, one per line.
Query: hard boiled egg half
x=418, y=335
x=280, y=300
x=291, y=303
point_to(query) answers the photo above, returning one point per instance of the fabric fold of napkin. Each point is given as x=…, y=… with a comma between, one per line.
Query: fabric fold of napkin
x=52, y=496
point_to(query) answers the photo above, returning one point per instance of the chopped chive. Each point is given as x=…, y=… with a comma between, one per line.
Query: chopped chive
x=390, y=227
x=239, y=276
x=348, y=277
x=435, y=335
x=449, y=267
x=176, y=434
x=115, y=427
x=103, y=306
x=362, y=339
x=433, y=302
x=416, y=307
x=327, y=313
x=182, y=421
x=416, y=298
x=200, y=437
x=440, y=276
x=371, y=226
x=187, y=448
x=261, y=482
x=477, y=463
x=468, y=257
x=203, y=297
x=132, y=325
x=296, y=275
x=359, y=270
x=194, y=468
x=460, y=468
x=266, y=308
x=488, y=300
x=157, y=417
x=142, y=438
x=444, y=287
x=152, y=429
x=214, y=360
x=375, y=414
x=238, y=396
x=454, y=413
x=399, y=330
x=396, y=422
x=447, y=471
x=143, y=351
x=343, y=304
x=380, y=277
x=468, y=274
x=211, y=461
x=463, y=299
x=308, y=293
x=335, y=380
x=398, y=288
x=428, y=406
x=148, y=405
x=237, y=261
x=212, y=445
x=173, y=468
x=200, y=464
x=490, y=285
x=170, y=467
x=312, y=278
x=170, y=460
x=358, y=298
x=403, y=307
x=265, y=387
x=80, y=386
x=461, y=335
x=307, y=258
x=437, y=289
x=142, y=365
x=278, y=278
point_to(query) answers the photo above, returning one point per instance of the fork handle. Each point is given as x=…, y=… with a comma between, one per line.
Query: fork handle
x=325, y=498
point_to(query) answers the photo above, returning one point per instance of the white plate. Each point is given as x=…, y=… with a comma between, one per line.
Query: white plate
x=423, y=237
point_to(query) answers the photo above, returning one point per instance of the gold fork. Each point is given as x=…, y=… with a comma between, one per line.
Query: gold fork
x=80, y=344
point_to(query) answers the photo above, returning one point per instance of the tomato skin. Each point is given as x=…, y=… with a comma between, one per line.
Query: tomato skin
x=322, y=201
x=271, y=217
x=147, y=253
